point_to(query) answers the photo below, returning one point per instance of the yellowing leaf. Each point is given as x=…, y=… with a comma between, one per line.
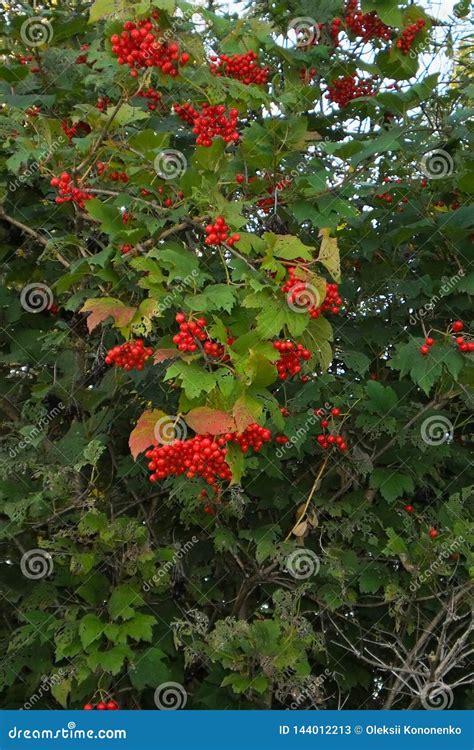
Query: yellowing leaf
x=329, y=254
x=105, y=307
x=143, y=435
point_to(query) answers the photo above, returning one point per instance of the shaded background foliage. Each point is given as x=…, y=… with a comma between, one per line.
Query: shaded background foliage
x=143, y=586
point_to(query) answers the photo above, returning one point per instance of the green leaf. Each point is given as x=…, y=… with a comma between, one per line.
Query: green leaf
x=90, y=628
x=110, y=661
x=382, y=399
x=148, y=669
x=392, y=484
x=123, y=602
x=193, y=379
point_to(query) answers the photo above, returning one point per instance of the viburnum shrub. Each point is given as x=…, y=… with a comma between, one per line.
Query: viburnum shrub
x=236, y=367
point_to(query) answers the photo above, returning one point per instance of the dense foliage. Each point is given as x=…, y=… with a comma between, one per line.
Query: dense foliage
x=236, y=262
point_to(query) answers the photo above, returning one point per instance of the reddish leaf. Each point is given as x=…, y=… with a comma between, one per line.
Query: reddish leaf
x=102, y=308
x=143, y=435
x=203, y=420
x=163, y=354
x=242, y=415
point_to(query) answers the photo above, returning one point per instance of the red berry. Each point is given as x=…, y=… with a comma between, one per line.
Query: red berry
x=88, y=707
x=101, y=706
x=112, y=706
x=434, y=533
x=335, y=411
x=429, y=341
x=408, y=508
x=457, y=326
x=424, y=350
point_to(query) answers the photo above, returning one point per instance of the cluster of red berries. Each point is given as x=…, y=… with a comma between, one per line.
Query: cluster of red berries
x=109, y=706
x=295, y=288
x=129, y=356
x=126, y=217
x=138, y=46
x=366, y=25
x=254, y=436
x=152, y=95
x=102, y=103
x=387, y=197
x=345, y=89
x=191, y=332
x=242, y=67
x=425, y=349
x=114, y=175
x=82, y=58
x=334, y=31
x=463, y=346
x=282, y=439
x=407, y=38
x=68, y=192
x=326, y=440
x=33, y=111
x=307, y=74
x=219, y=232
x=291, y=357
x=211, y=122
x=199, y=456
x=79, y=129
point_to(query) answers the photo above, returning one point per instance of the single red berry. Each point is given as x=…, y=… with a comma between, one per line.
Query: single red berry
x=240, y=178
x=429, y=341
x=112, y=706
x=457, y=326
x=408, y=508
x=424, y=350
x=335, y=411
x=88, y=707
x=101, y=706
x=434, y=533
